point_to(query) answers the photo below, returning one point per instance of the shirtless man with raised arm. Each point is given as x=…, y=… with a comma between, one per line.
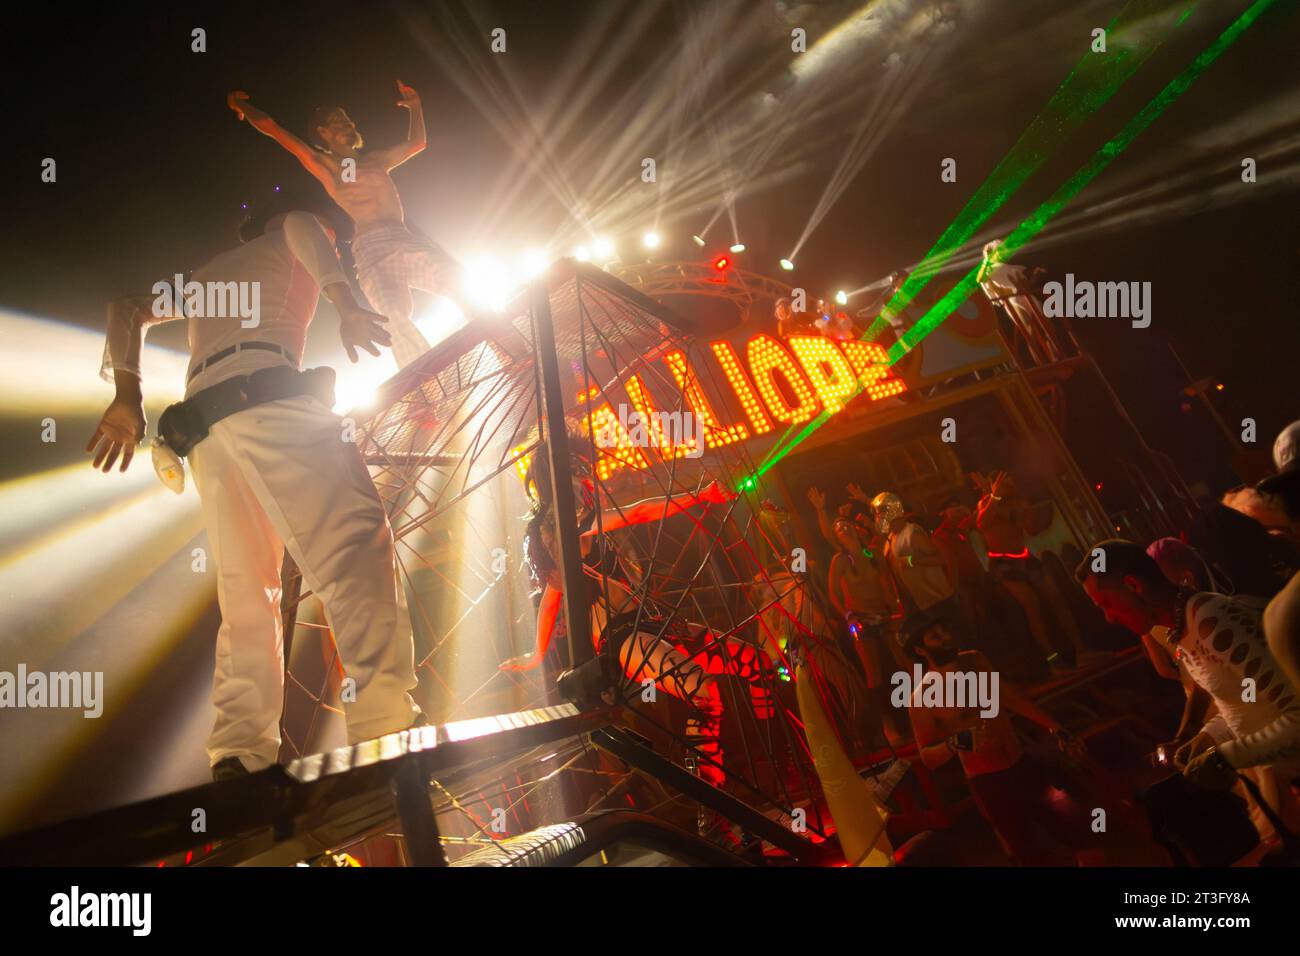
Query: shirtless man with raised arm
x=390, y=260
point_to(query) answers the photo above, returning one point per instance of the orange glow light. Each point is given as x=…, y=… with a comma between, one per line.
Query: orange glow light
x=754, y=411
x=871, y=362
x=714, y=435
x=831, y=375
x=766, y=356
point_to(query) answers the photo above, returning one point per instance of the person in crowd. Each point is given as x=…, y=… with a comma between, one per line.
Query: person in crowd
x=1001, y=519
x=789, y=322
x=1013, y=789
x=953, y=539
x=859, y=592
x=1220, y=642
x=1186, y=570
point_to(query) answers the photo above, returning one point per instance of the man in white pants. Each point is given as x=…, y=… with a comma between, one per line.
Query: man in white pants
x=275, y=471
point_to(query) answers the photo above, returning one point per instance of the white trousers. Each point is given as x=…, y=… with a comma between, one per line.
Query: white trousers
x=280, y=475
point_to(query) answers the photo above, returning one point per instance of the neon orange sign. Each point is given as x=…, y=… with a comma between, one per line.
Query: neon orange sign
x=774, y=384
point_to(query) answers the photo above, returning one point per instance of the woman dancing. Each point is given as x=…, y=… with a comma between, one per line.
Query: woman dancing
x=646, y=644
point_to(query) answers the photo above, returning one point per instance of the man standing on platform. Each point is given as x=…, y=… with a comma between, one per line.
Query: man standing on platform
x=274, y=469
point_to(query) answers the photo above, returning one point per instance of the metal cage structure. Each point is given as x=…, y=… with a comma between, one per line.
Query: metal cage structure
x=448, y=444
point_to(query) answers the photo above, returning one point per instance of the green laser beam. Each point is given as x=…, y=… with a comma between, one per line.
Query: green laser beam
x=1107, y=154
x=1035, y=222
x=1088, y=87
x=1092, y=82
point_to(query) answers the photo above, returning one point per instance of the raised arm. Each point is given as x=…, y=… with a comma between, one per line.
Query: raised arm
x=652, y=509
x=817, y=498
x=262, y=122
x=416, y=138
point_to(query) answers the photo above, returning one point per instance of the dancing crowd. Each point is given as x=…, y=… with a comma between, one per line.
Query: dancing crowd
x=1215, y=608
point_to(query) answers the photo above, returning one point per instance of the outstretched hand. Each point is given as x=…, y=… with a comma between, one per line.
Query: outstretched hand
x=817, y=498
x=360, y=328
x=524, y=662
x=716, y=494
x=409, y=98
x=119, y=431
x=237, y=100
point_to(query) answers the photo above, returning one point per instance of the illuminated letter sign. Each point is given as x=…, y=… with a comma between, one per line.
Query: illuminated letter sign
x=788, y=383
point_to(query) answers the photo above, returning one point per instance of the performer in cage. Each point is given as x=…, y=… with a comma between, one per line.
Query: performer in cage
x=645, y=644
x=390, y=260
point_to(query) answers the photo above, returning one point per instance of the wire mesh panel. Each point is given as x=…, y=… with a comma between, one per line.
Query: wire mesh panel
x=701, y=569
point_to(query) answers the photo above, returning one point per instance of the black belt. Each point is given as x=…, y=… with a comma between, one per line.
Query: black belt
x=225, y=353
x=185, y=424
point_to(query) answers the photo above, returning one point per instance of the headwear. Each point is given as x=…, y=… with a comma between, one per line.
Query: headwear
x=1286, y=446
x=887, y=506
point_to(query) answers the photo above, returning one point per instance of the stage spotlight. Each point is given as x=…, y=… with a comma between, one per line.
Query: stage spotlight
x=651, y=240
x=533, y=263
x=488, y=282
x=603, y=249
x=787, y=265
x=582, y=254
x=842, y=297
x=738, y=247
x=697, y=240
x=721, y=263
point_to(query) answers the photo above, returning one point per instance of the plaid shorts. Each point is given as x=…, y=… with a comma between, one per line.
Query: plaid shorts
x=390, y=263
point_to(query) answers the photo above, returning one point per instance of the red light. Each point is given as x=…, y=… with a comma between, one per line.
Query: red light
x=1097, y=486
x=721, y=263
